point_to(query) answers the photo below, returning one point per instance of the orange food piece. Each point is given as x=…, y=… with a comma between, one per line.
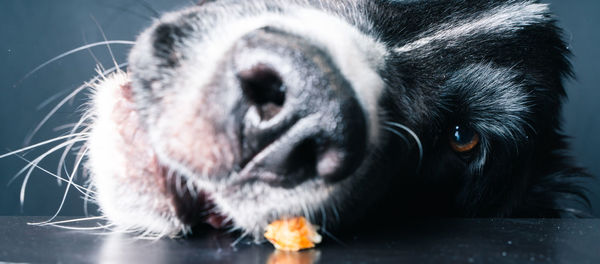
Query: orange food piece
x=292, y=234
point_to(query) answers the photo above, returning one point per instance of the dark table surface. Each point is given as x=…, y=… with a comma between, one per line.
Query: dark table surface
x=426, y=241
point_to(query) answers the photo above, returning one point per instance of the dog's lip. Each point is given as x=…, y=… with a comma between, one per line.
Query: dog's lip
x=202, y=209
x=217, y=221
x=194, y=206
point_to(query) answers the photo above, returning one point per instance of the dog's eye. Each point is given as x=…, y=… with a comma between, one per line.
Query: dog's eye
x=463, y=138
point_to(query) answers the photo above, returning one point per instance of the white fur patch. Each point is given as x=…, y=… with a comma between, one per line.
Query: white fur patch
x=506, y=18
x=129, y=204
x=358, y=58
x=357, y=55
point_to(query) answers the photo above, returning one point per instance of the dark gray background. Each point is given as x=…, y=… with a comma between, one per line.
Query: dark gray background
x=33, y=31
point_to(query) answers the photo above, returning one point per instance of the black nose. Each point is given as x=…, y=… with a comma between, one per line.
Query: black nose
x=303, y=119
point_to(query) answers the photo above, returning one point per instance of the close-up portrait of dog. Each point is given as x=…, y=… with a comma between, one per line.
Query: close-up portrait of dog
x=299, y=131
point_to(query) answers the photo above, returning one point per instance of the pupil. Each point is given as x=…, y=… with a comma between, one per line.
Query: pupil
x=462, y=135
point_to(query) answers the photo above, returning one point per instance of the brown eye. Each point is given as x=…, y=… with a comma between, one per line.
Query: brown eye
x=463, y=138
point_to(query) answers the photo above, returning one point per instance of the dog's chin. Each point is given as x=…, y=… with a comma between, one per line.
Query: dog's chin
x=252, y=206
x=249, y=205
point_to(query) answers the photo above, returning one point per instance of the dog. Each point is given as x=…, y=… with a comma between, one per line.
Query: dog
x=239, y=113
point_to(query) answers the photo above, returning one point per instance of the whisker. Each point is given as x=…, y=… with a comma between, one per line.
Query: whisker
x=61, y=163
x=69, y=97
x=64, y=198
x=37, y=161
x=69, y=221
x=397, y=134
x=112, y=55
x=238, y=240
x=192, y=189
x=50, y=99
x=149, y=7
x=88, y=191
x=42, y=144
x=92, y=52
x=414, y=135
x=130, y=12
x=146, y=236
x=87, y=198
x=64, y=127
x=178, y=187
x=305, y=212
x=58, y=224
x=335, y=211
x=68, y=148
x=82, y=228
x=77, y=186
x=39, y=158
x=67, y=53
x=53, y=111
x=323, y=217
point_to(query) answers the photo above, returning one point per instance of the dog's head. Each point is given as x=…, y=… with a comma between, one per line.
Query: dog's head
x=243, y=112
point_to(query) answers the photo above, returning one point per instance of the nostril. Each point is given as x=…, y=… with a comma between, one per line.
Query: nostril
x=264, y=88
x=302, y=160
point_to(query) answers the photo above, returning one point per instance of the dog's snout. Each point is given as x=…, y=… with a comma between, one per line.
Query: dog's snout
x=302, y=117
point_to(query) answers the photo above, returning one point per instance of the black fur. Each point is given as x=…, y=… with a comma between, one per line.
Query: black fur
x=505, y=83
x=526, y=173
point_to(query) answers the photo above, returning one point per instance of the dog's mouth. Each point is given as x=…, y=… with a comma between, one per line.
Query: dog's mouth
x=195, y=207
